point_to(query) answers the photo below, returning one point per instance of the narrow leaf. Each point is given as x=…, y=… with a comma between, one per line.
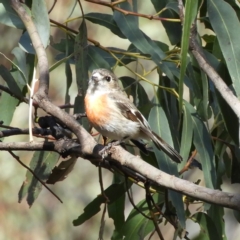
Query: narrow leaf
x=202, y=142
x=128, y=24
x=8, y=16
x=137, y=226
x=105, y=20
x=225, y=22
x=7, y=112
x=159, y=124
x=208, y=229
x=10, y=81
x=96, y=59
x=41, y=20
x=173, y=29
x=113, y=192
x=189, y=17
x=42, y=164
x=80, y=53
x=187, y=134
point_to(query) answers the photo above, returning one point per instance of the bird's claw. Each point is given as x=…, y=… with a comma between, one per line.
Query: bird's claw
x=105, y=151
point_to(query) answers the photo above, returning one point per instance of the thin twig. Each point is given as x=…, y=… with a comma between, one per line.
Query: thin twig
x=132, y=202
x=125, y=12
x=188, y=163
x=148, y=200
x=33, y=173
x=101, y=185
x=54, y=3
x=101, y=230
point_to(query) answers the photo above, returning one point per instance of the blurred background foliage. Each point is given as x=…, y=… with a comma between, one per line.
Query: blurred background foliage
x=48, y=218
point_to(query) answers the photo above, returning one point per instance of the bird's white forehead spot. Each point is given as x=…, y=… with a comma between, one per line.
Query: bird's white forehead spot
x=97, y=75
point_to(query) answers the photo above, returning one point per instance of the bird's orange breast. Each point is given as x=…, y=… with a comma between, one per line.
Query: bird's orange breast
x=96, y=110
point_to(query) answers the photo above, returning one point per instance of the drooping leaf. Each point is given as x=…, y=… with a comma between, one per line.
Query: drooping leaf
x=173, y=29
x=8, y=16
x=21, y=61
x=105, y=20
x=159, y=123
x=202, y=142
x=42, y=164
x=39, y=14
x=7, y=112
x=116, y=210
x=189, y=18
x=136, y=225
x=208, y=229
x=113, y=192
x=96, y=59
x=60, y=172
x=128, y=24
x=80, y=53
x=187, y=134
x=41, y=20
x=225, y=22
x=10, y=81
x=216, y=213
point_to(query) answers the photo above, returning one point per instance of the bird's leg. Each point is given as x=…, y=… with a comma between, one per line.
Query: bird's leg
x=104, y=152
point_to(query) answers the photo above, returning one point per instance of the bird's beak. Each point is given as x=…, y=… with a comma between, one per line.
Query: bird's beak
x=95, y=78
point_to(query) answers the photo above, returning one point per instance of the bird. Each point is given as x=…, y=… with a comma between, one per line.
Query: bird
x=114, y=115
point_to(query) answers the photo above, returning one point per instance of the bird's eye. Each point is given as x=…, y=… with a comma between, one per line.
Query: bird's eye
x=107, y=78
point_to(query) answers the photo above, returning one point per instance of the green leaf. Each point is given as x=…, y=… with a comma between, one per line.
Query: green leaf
x=105, y=20
x=7, y=112
x=225, y=22
x=173, y=29
x=25, y=43
x=159, y=123
x=96, y=60
x=208, y=230
x=229, y=117
x=137, y=226
x=41, y=20
x=187, y=134
x=189, y=17
x=39, y=14
x=11, y=83
x=21, y=62
x=113, y=192
x=8, y=16
x=42, y=164
x=128, y=24
x=202, y=142
x=68, y=73
x=216, y=213
x=80, y=53
x=60, y=172
x=136, y=90
x=116, y=210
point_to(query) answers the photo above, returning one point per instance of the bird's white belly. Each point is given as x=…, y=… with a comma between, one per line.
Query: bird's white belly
x=118, y=129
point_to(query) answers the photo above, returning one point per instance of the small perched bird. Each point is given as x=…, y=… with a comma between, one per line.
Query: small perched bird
x=113, y=114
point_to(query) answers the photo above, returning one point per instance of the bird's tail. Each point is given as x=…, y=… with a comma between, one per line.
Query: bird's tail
x=162, y=145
